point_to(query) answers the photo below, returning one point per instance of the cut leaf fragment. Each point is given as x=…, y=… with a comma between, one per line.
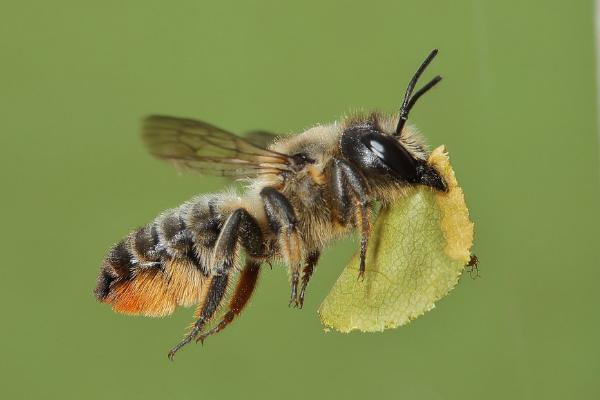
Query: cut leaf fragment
x=418, y=250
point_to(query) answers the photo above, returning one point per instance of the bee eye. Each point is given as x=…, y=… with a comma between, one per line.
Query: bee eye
x=392, y=154
x=302, y=158
x=377, y=148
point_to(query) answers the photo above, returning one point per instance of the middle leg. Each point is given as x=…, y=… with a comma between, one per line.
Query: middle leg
x=282, y=220
x=309, y=267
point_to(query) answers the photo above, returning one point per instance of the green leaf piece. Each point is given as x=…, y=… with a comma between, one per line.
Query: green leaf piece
x=419, y=247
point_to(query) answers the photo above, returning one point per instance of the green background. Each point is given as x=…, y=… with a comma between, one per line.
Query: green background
x=517, y=111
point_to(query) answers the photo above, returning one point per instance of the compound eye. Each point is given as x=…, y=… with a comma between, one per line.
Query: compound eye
x=377, y=147
x=392, y=154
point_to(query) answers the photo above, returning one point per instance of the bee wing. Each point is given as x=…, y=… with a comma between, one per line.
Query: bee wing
x=261, y=138
x=198, y=146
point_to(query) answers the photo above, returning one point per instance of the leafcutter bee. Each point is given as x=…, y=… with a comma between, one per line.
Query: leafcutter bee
x=303, y=192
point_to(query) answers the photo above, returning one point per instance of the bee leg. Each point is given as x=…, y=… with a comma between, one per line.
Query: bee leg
x=350, y=197
x=365, y=227
x=252, y=239
x=307, y=272
x=224, y=252
x=216, y=291
x=294, y=288
x=243, y=292
x=282, y=221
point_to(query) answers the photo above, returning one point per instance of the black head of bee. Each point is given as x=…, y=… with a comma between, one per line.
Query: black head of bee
x=383, y=156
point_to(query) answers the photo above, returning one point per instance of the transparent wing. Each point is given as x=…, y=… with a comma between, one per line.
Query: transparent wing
x=261, y=138
x=198, y=146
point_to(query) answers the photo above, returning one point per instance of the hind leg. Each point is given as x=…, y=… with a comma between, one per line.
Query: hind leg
x=224, y=253
x=243, y=292
x=214, y=296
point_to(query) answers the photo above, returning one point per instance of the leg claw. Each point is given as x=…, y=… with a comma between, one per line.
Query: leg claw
x=294, y=291
x=361, y=276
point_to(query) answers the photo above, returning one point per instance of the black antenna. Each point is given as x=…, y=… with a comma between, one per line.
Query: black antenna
x=410, y=100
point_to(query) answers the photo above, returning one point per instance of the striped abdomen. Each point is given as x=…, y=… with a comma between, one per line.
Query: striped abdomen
x=164, y=264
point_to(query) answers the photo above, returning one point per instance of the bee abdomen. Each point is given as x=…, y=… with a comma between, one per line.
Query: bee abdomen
x=163, y=264
x=118, y=265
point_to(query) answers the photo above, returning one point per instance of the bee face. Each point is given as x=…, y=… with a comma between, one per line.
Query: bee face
x=384, y=158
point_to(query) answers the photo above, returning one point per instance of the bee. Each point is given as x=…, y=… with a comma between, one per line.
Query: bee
x=303, y=192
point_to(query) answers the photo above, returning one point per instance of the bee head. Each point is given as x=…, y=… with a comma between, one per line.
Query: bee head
x=386, y=159
x=393, y=157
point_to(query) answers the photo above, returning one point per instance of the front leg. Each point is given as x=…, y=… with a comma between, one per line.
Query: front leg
x=282, y=220
x=350, y=203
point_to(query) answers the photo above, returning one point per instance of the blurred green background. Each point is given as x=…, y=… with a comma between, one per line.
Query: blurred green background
x=517, y=111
